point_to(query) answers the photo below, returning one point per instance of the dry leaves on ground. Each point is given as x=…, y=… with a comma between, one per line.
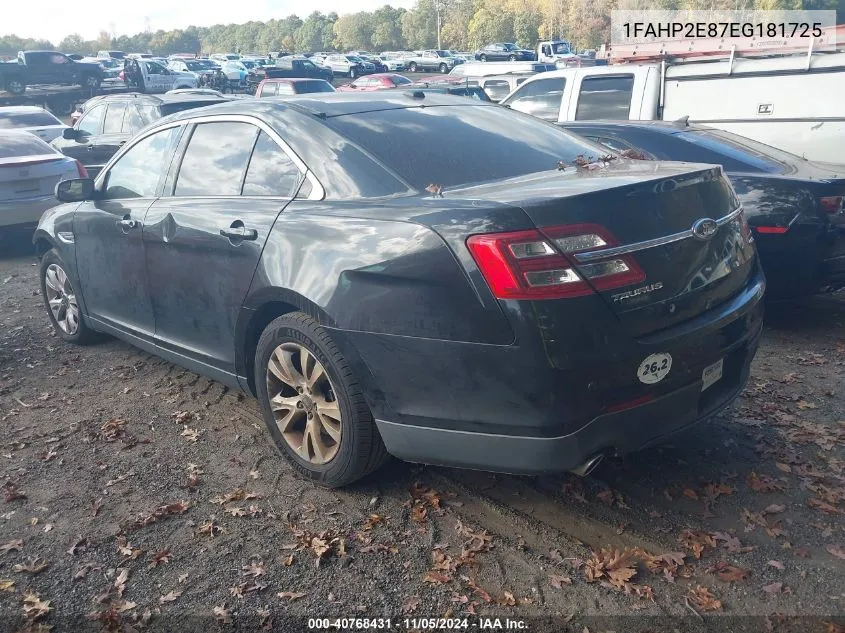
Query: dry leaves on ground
x=161, y=512
x=703, y=599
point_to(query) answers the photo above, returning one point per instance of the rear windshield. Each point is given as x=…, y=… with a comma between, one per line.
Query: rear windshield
x=9, y=120
x=181, y=106
x=743, y=150
x=458, y=145
x=314, y=86
x=14, y=145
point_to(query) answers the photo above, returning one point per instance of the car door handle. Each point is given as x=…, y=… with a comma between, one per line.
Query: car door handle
x=128, y=223
x=239, y=233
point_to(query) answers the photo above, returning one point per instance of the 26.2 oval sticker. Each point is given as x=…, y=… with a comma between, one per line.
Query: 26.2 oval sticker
x=654, y=368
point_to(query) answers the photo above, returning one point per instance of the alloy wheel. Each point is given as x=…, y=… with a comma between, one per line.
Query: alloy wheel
x=303, y=403
x=15, y=86
x=61, y=299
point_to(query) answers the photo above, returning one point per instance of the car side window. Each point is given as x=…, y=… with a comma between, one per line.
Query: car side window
x=271, y=172
x=113, y=123
x=539, y=98
x=136, y=174
x=605, y=97
x=268, y=90
x=497, y=89
x=92, y=121
x=286, y=89
x=154, y=69
x=216, y=159
x=55, y=58
x=132, y=122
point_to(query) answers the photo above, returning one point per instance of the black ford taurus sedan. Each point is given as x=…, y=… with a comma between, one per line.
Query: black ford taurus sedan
x=373, y=271
x=794, y=206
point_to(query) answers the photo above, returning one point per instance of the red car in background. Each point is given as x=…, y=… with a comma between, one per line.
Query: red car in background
x=380, y=81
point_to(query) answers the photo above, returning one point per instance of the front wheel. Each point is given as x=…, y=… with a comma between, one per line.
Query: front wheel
x=352, y=73
x=444, y=68
x=483, y=58
x=312, y=405
x=512, y=58
x=61, y=301
x=412, y=67
x=92, y=82
x=15, y=86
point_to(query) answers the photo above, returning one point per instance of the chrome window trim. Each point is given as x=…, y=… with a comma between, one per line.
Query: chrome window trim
x=658, y=241
x=317, y=190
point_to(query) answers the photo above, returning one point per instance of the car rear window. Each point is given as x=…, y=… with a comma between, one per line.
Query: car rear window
x=314, y=86
x=458, y=145
x=14, y=145
x=181, y=106
x=11, y=120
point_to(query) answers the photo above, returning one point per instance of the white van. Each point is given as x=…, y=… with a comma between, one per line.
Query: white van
x=794, y=102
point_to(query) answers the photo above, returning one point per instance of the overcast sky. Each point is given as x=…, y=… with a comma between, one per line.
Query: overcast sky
x=54, y=19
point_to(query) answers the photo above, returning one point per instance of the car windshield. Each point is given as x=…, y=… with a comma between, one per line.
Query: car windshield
x=459, y=145
x=22, y=144
x=510, y=47
x=354, y=58
x=10, y=120
x=399, y=80
x=248, y=64
x=306, y=63
x=196, y=65
x=314, y=86
x=443, y=53
x=759, y=155
x=561, y=48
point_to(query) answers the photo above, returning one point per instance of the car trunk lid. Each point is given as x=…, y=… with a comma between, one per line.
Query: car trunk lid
x=660, y=243
x=31, y=176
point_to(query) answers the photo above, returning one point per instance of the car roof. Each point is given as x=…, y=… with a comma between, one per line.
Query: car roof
x=666, y=127
x=21, y=109
x=332, y=104
x=290, y=80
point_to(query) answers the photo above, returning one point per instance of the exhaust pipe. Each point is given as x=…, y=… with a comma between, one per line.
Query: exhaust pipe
x=588, y=466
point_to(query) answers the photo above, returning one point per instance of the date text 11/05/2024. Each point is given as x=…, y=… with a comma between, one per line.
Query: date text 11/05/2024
x=417, y=624
x=690, y=30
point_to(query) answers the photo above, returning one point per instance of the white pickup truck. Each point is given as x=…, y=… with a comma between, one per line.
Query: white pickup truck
x=145, y=75
x=794, y=102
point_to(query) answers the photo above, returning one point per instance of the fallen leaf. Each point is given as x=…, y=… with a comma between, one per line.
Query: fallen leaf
x=192, y=434
x=291, y=595
x=703, y=599
x=776, y=564
x=786, y=468
x=507, y=599
x=288, y=561
x=120, y=581
x=774, y=588
x=436, y=577
x=774, y=509
x=95, y=506
x=32, y=566
x=728, y=573
x=689, y=493
x=418, y=513
x=254, y=569
x=34, y=607
x=238, y=494
x=410, y=604
x=7, y=585
x=180, y=417
x=836, y=550
x=16, y=545
x=222, y=615
x=160, y=558
x=557, y=581
x=171, y=596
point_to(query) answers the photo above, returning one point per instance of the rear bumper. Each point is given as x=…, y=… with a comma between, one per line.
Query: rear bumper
x=506, y=408
x=24, y=212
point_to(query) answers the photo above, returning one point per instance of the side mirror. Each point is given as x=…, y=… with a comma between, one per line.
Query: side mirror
x=76, y=190
x=69, y=133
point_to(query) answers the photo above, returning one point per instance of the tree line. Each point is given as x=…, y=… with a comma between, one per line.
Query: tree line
x=464, y=25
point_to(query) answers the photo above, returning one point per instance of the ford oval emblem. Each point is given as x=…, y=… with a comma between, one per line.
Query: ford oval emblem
x=704, y=229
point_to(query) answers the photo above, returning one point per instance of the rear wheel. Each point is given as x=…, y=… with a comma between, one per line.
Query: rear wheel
x=91, y=81
x=312, y=405
x=444, y=68
x=483, y=58
x=512, y=58
x=61, y=301
x=15, y=86
x=412, y=67
x=352, y=73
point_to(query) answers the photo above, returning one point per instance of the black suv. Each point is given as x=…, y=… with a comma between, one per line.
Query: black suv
x=504, y=52
x=109, y=121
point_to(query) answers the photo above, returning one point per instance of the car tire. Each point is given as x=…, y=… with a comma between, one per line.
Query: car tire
x=412, y=67
x=310, y=439
x=15, y=86
x=56, y=285
x=512, y=58
x=483, y=58
x=92, y=82
x=352, y=73
x=444, y=68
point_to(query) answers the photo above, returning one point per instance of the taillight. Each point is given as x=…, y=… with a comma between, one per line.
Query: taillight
x=539, y=264
x=80, y=168
x=831, y=204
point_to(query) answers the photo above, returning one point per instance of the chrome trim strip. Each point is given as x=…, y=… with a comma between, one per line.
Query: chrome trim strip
x=66, y=237
x=658, y=241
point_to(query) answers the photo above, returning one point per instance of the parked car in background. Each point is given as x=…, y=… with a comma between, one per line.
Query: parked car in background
x=348, y=66
x=119, y=55
x=378, y=65
x=51, y=67
x=29, y=172
x=147, y=75
x=446, y=86
x=204, y=69
x=32, y=119
x=225, y=57
x=111, y=120
x=287, y=249
x=294, y=86
x=379, y=81
x=392, y=64
x=794, y=206
x=482, y=69
x=236, y=73
x=498, y=87
x=504, y=52
x=291, y=66
x=436, y=60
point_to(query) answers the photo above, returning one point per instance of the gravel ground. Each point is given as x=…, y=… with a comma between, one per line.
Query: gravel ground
x=141, y=496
